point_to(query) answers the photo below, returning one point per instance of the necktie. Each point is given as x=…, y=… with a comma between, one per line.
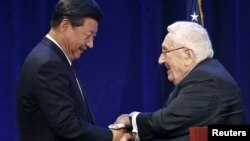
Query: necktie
x=89, y=114
x=75, y=74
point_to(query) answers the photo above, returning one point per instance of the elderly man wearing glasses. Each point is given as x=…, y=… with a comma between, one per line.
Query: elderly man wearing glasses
x=205, y=93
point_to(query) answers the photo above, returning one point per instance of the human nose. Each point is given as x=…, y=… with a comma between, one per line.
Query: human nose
x=90, y=43
x=161, y=59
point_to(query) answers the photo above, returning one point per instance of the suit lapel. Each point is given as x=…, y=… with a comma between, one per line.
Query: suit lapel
x=173, y=95
x=90, y=116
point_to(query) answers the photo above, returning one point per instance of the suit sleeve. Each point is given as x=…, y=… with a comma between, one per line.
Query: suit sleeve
x=195, y=105
x=52, y=86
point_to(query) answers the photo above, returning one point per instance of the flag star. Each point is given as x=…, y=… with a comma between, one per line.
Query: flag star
x=194, y=17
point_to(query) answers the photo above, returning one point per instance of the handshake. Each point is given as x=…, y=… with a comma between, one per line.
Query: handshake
x=122, y=129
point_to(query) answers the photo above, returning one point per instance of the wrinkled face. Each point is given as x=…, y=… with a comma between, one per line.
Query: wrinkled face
x=79, y=39
x=174, y=60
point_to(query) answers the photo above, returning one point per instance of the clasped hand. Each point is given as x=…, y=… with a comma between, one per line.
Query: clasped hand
x=123, y=134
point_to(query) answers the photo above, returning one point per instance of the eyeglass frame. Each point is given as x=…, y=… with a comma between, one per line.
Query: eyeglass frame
x=168, y=51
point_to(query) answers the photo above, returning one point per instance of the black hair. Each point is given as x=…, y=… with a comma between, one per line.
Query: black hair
x=75, y=11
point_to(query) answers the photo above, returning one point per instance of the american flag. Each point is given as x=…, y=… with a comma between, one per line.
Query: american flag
x=194, y=11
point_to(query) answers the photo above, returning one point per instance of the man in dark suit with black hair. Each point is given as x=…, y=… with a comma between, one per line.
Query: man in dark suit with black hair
x=205, y=93
x=51, y=103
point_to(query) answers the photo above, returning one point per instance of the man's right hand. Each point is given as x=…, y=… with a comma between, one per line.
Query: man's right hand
x=122, y=135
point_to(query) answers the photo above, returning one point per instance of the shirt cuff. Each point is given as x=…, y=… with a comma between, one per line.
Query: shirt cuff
x=134, y=125
x=137, y=138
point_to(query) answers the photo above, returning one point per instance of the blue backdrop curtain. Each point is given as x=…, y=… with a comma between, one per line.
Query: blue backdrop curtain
x=121, y=74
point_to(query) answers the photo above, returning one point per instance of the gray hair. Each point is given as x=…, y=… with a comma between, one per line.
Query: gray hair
x=192, y=36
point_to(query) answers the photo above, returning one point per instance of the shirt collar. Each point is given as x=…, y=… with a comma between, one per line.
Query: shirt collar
x=49, y=37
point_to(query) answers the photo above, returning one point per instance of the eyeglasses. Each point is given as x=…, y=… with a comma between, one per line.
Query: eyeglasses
x=168, y=51
x=89, y=35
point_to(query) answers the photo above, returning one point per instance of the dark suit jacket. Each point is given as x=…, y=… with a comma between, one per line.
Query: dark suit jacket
x=207, y=95
x=49, y=103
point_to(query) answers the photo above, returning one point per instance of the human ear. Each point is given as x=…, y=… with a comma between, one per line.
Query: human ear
x=64, y=25
x=189, y=57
